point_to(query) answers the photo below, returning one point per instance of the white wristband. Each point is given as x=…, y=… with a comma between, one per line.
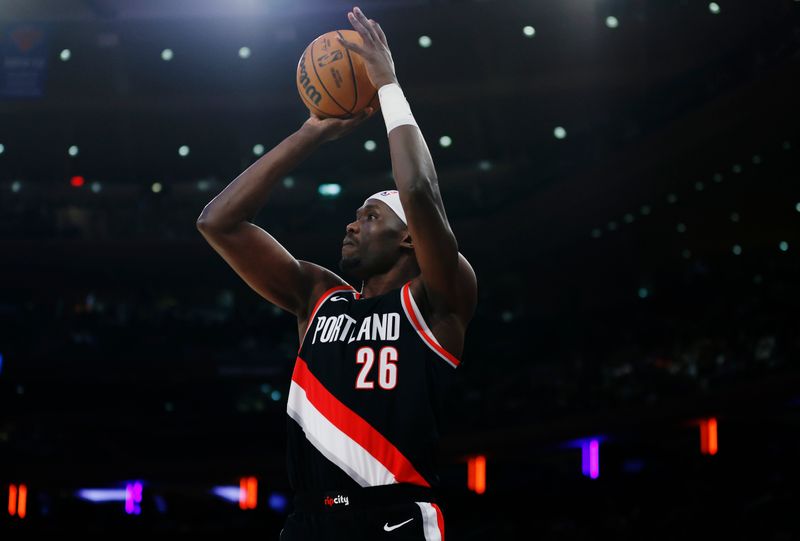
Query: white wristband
x=396, y=110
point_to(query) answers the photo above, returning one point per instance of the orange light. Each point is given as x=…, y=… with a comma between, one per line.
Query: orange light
x=248, y=492
x=708, y=436
x=22, y=501
x=476, y=474
x=12, y=500
x=252, y=492
x=712, y=436
x=243, y=493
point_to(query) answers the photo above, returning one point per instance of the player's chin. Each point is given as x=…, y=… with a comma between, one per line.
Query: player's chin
x=349, y=264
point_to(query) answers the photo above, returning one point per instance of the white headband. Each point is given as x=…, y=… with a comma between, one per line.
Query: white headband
x=392, y=199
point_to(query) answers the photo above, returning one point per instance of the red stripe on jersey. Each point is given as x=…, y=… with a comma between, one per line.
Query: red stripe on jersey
x=439, y=519
x=322, y=299
x=355, y=427
x=426, y=335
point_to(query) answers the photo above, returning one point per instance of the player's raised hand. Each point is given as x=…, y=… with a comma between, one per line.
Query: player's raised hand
x=375, y=49
x=329, y=129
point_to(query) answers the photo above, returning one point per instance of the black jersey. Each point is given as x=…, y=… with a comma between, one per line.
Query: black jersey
x=366, y=394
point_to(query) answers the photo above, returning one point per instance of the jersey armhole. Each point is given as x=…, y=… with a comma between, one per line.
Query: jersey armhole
x=418, y=322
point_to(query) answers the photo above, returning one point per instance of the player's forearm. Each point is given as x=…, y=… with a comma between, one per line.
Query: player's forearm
x=246, y=194
x=412, y=165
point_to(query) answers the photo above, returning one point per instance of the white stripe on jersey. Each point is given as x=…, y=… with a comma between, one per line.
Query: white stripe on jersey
x=334, y=444
x=430, y=524
x=425, y=329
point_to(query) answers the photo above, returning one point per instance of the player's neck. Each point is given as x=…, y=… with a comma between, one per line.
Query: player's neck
x=395, y=278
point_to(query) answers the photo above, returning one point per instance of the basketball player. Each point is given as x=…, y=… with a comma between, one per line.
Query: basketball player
x=365, y=395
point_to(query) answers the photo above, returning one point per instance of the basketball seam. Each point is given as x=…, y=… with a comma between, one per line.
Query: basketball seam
x=309, y=104
x=352, y=72
x=314, y=65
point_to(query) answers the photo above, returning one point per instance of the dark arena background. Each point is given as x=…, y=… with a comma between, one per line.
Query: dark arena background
x=622, y=174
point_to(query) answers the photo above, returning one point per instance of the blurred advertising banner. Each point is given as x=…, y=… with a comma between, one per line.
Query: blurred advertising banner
x=23, y=51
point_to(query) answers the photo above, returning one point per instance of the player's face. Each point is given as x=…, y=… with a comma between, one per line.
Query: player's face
x=372, y=241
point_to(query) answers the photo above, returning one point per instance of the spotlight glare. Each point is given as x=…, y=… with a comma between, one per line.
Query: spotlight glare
x=288, y=182
x=783, y=246
x=65, y=55
x=612, y=22
x=258, y=149
x=2, y=148
x=645, y=210
x=370, y=145
x=96, y=187
x=559, y=132
x=16, y=186
x=529, y=31
x=597, y=233
x=73, y=151
x=686, y=253
x=713, y=7
x=445, y=141
x=681, y=228
x=735, y=217
x=699, y=186
x=717, y=177
x=425, y=42
x=156, y=187
x=329, y=189
x=244, y=52
x=672, y=199
x=737, y=250
x=166, y=55
x=643, y=293
x=183, y=151
x=797, y=206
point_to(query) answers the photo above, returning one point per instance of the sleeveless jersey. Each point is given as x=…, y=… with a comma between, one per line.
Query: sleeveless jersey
x=366, y=394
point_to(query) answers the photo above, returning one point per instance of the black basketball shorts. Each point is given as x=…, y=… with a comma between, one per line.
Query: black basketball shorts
x=398, y=512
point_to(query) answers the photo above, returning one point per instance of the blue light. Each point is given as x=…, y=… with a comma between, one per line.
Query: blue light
x=277, y=501
x=133, y=498
x=101, y=495
x=329, y=190
x=230, y=493
x=1, y=363
x=590, y=454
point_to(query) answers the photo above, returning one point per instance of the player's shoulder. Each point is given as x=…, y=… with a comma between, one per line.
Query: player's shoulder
x=319, y=280
x=465, y=293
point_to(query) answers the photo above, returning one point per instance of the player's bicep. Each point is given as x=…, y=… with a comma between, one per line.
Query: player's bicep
x=265, y=265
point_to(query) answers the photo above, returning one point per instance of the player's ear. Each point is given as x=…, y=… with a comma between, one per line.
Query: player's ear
x=406, y=241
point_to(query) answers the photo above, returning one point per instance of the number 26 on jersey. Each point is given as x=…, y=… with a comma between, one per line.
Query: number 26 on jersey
x=387, y=369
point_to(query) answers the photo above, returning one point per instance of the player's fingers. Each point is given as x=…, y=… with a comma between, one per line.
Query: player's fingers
x=379, y=31
x=369, y=24
x=359, y=27
x=350, y=45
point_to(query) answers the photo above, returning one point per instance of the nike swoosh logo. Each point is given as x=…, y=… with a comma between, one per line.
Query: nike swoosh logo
x=334, y=299
x=390, y=528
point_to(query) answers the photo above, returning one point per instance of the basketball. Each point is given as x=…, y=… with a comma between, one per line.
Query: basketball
x=332, y=80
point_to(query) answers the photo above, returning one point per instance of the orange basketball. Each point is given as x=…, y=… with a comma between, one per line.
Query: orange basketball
x=332, y=80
